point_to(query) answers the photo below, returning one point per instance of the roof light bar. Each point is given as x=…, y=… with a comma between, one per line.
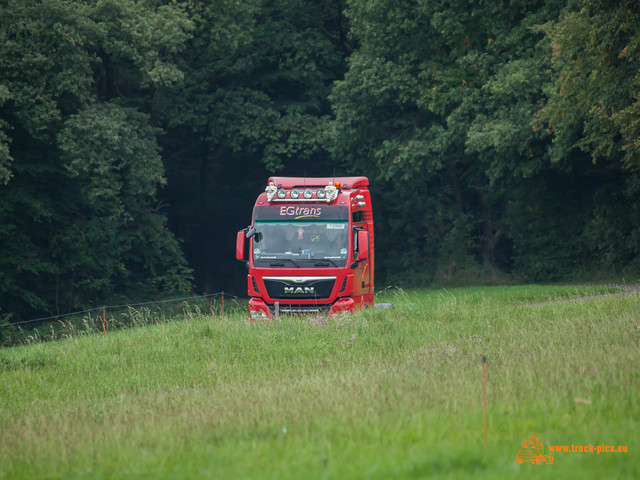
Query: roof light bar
x=279, y=194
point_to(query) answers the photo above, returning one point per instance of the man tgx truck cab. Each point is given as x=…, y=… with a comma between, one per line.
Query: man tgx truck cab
x=309, y=247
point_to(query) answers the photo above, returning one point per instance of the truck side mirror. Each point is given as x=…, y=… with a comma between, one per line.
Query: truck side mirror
x=240, y=243
x=363, y=245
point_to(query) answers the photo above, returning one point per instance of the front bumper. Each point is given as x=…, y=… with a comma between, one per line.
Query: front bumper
x=259, y=310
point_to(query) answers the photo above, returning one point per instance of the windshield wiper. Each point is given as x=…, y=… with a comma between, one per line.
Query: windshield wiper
x=282, y=264
x=321, y=264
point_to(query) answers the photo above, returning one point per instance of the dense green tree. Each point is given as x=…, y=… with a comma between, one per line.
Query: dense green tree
x=593, y=115
x=480, y=120
x=594, y=104
x=5, y=155
x=79, y=157
x=437, y=103
x=254, y=102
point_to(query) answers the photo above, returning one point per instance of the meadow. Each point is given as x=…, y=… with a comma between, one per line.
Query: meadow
x=375, y=395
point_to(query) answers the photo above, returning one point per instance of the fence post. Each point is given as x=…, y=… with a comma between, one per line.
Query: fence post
x=104, y=320
x=484, y=399
x=223, y=304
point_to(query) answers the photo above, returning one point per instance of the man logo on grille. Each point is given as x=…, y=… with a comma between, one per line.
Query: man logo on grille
x=300, y=290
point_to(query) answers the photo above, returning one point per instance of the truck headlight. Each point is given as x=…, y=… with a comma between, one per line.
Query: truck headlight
x=257, y=315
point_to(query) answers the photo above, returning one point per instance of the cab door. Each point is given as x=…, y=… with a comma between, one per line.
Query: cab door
x=360, y=265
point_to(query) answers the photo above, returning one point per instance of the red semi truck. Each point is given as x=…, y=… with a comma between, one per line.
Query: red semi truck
x=309, y=247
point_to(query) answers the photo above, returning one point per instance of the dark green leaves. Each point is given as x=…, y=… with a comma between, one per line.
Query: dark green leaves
x=79, y=156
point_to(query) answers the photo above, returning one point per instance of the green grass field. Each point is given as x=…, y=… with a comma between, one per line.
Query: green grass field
x=377, y=395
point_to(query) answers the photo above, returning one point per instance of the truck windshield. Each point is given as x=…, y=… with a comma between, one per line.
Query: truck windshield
x=317, y=244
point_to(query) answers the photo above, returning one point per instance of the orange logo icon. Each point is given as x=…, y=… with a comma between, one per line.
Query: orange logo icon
x=532, y=450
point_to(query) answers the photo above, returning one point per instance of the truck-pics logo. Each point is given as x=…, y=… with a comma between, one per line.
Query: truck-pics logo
x=532, y=450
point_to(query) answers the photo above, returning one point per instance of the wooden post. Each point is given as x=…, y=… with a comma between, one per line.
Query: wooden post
x=222, y=304
x=484, y=399
x=277, y=310
x=104, y=320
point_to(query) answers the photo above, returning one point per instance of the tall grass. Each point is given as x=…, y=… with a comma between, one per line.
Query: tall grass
x=111, y=318
x=381, y=394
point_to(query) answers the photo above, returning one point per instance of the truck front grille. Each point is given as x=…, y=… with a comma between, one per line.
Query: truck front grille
x=299, y=287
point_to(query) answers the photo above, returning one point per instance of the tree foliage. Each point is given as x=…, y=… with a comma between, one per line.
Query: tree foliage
x=482, y=120
x=440, y=98
x=254, y=100
x=593, y=114
x=79, y=155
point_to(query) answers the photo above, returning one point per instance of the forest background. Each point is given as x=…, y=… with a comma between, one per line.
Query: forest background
x=501, y=138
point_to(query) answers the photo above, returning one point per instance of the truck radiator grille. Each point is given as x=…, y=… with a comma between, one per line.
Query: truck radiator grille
x=299, y=287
